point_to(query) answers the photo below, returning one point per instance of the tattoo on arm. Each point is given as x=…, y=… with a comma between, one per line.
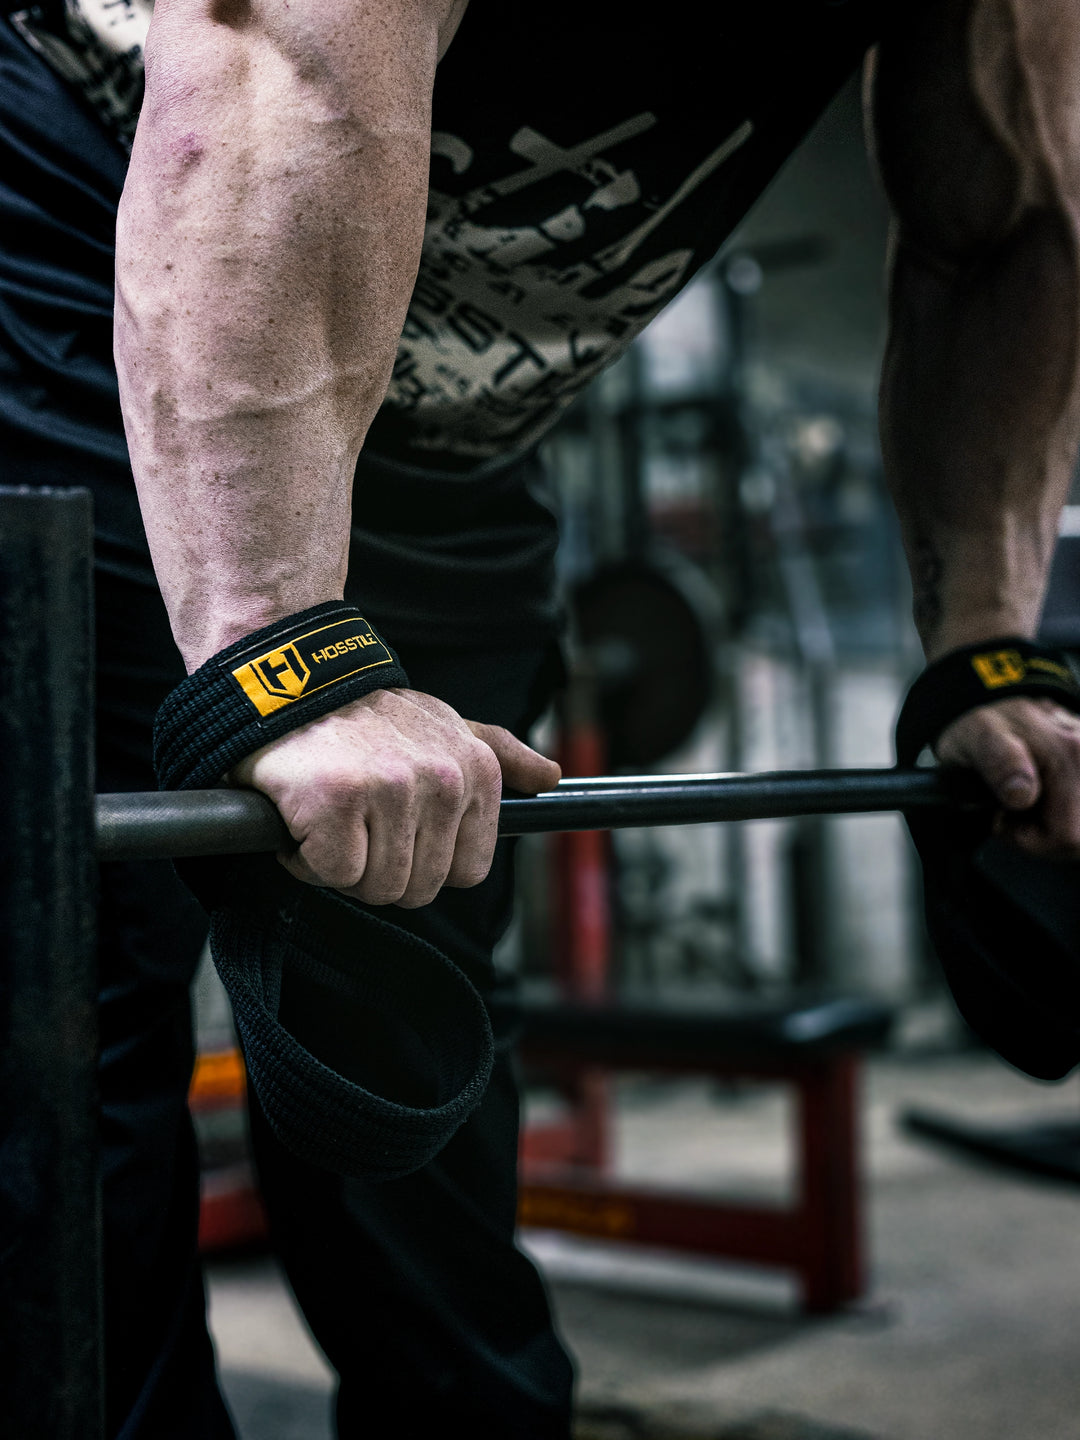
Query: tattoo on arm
x=927, y=571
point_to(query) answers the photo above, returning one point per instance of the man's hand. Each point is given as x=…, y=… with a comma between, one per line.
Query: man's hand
x=1028, y=752
x=393, y=796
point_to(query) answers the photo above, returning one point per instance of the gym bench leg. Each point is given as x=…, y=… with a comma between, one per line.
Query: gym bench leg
x=831, y=1250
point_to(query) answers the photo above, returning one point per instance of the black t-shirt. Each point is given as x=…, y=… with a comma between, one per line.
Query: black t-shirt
x=584, y=166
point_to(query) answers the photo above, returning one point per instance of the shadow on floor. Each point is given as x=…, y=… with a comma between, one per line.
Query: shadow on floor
x=667, y=1333
x=617, y=1423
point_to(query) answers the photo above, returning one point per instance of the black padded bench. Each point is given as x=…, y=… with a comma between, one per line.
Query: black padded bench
x=815, y=1046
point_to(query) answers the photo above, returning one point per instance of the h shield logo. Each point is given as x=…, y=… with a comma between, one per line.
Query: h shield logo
x=282, y=672
x=997, y=668
x=274, y=679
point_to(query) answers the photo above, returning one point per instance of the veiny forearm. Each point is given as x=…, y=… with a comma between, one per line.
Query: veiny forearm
x=977, y=129
x=267, y=245
x=980, y=424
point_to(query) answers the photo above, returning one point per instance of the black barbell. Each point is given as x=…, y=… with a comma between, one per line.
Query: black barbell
x=234, y=822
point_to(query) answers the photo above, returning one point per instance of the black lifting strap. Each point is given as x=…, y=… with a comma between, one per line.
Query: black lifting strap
x=366, y=1046
x=1005, y=924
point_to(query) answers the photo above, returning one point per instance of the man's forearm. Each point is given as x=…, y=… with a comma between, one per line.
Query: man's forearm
x=976, y=110
x=267, y=245
x=980, y=426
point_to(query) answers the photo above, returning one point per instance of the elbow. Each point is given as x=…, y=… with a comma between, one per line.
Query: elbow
x=248, y=67
x=195, y=71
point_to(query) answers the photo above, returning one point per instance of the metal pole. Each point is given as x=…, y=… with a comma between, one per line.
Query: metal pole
x=50, y=1284
x=231, y=822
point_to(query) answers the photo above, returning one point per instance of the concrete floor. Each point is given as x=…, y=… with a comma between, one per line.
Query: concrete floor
x=969, y=1332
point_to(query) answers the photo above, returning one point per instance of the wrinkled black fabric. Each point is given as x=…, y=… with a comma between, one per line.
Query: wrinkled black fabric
x=1005, y=924
x=366, y=1046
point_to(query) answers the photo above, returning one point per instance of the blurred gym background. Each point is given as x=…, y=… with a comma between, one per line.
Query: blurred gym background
x=737, y=600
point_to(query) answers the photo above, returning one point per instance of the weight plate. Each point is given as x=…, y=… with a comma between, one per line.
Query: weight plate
x=648, y=647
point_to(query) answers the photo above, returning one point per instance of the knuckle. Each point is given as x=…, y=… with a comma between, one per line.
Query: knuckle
x=341, y=880
x=471, y=868
x=386, y=888
x=338, y=874
x=444, y=784
x=379, y=894
x=999, y=740
x=299, y=869
x=1003, y=754
x=470, y=876
x=416, y=897
x=961, y=741
x=340, y=787
x=396, y=786
x=334, y=860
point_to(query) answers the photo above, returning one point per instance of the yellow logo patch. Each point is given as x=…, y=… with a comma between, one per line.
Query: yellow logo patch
x=310, y=662
x=997, y=668
x=274, y=679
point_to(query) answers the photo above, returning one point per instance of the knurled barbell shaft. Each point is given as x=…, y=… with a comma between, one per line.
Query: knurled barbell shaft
x=233, y=822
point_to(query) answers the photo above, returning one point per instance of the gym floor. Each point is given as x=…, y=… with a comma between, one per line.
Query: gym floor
x=969, y=1329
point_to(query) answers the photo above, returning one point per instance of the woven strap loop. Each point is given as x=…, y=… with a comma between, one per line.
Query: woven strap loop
x=366, y=1046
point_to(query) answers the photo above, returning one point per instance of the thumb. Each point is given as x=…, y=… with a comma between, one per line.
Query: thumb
x=984, y=742
x=523, y=769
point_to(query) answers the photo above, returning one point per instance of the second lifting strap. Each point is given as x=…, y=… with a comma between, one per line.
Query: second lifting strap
x=1005, y=923
x=1004, y=669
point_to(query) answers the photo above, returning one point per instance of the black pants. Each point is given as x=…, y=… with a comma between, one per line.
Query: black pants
x=433, y=1320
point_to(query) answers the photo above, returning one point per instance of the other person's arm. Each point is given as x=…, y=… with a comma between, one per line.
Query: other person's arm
x=267, y=245
x=977, y=129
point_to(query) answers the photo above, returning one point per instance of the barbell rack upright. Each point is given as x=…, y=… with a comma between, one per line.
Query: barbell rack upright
x=50, y=1271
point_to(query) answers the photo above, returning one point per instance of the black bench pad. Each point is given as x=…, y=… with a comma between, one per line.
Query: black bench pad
x=639, y=1030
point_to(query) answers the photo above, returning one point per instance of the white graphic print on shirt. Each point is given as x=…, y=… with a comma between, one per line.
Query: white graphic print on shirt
x=505, y=327
x=100, y=51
